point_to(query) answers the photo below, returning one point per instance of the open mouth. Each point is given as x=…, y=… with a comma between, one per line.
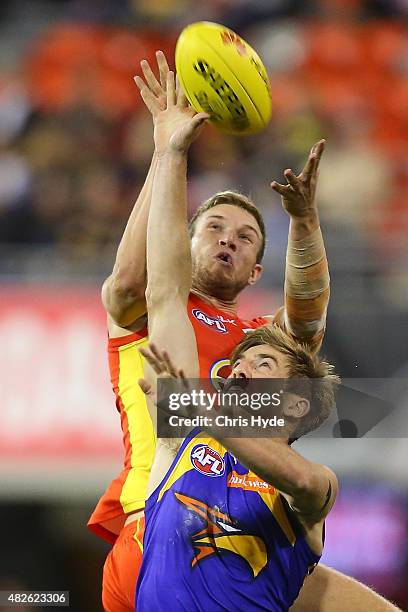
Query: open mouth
x=225, y=258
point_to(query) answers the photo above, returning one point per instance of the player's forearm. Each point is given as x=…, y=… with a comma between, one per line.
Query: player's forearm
x=168, y=244
x=274, y=461
x=169, y=266
x=327, y=590
x=307, y=483
x=307, y=280
x=129, y=271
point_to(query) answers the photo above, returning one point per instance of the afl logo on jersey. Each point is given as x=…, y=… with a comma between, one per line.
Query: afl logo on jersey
x=207, y=461
x=212, y=322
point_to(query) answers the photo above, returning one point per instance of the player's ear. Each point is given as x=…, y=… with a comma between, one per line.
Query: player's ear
x=297, y=409
x=255, y=275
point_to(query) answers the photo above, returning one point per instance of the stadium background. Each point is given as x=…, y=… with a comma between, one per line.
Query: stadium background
x=75, y=145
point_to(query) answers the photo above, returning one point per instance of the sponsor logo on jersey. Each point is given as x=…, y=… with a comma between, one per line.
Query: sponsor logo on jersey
x=222, y=533
x=220, y=369
x=209, y=321
x=207, y=461
x=224, y=320
x=248, y=482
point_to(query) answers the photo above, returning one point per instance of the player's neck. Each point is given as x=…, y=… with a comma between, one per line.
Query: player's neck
x=228, y=306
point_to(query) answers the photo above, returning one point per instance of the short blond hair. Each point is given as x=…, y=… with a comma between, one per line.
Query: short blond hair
x=303, y=364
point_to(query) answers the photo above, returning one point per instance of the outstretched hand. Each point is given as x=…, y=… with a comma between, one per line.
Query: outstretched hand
x=157, y=101
x=298, y=195
x=162, y=365
x=176, y=123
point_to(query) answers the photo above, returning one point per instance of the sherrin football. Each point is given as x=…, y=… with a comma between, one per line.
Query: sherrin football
x=222, y=75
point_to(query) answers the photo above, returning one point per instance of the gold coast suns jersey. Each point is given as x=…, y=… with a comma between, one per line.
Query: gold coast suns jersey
x=217, y=333
x=218, y=537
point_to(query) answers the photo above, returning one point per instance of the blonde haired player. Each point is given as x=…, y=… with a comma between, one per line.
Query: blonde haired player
x=123, y=296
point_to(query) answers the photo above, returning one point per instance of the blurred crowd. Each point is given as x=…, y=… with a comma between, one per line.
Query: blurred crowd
x=75, y=147
x=76, y=141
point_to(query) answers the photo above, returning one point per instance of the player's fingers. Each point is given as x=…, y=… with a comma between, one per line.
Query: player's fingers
x=156, y=352
x=151, y=80
x=147, y=354
x=194, y=128
x=201, y=118
x=180, y=95
x=170, y=367
x=145, y=386
x=163, y=68
x=184, y=381
x=292, y=179
x=198, y=122
x=318, y=153
x=165, y=363
x=153, y=356
x=152, y=360
x=171, y=90
x=148, y=98
x=309, y=165
x=281, y=189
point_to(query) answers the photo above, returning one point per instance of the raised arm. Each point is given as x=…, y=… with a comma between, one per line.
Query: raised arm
x=123, y=292
x=168, y=243
x=307, y=281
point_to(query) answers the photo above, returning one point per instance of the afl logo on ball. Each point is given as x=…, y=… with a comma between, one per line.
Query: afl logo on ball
x=207, y=461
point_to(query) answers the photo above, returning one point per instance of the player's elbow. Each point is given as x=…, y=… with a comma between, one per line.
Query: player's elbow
x=316, y=491
x=129, y=284
x=305, y=481
x=122, y=300
x=302, y=484
x=124, y=288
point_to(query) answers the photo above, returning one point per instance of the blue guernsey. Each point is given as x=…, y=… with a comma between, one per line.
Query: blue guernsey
x=217, y=537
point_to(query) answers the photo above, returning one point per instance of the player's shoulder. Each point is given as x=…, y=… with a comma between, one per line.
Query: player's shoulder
x=136, y=329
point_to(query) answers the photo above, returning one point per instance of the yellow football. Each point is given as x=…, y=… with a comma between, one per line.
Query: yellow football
x=222, y=75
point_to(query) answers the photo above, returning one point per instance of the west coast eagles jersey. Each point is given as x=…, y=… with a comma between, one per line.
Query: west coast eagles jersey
x=217, y=537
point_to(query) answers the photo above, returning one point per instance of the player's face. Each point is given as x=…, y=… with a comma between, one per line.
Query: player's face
x=266, y=362
x=224, y=249
x=261, y=361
